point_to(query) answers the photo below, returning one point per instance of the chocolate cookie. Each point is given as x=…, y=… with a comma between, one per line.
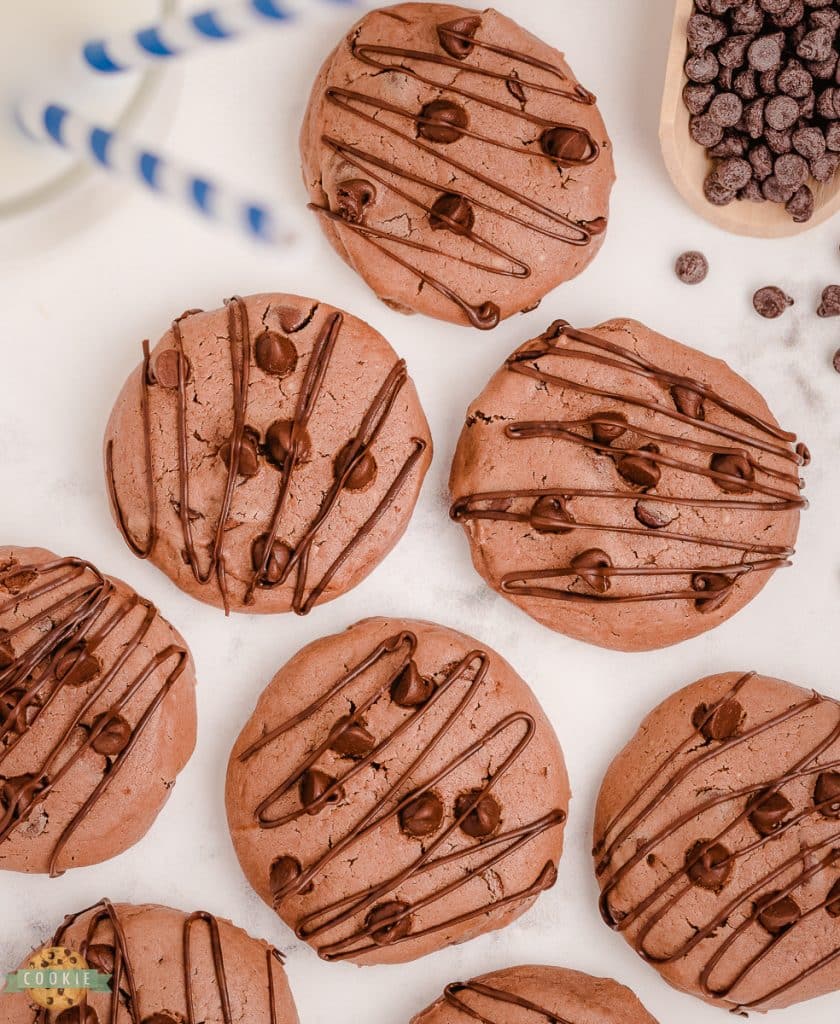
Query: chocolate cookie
x=624, y=489
x=268, y=455
x=97, y=712
x=397, y=789
x=717, y=836
x=535, y=995
x=169, y=967
x=455, y=162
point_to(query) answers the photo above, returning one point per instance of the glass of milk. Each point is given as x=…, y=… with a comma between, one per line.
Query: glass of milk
x=39, y=51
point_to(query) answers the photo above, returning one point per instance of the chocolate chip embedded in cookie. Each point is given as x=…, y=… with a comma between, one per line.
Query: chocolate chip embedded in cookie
x=268, y=455
x=169, y=967
x=716, y=842
x=455, y=162
x=624, y=489
x=97, y=712
x=537, y=994
x=397, y=789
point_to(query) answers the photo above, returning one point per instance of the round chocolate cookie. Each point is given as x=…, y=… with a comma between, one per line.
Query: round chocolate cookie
x=534, y=995
x=624, y=489
x=455, y=162
x=268, y=455
x=717, y=842
x=168, y=967
x=97, y=712
x=397, y=789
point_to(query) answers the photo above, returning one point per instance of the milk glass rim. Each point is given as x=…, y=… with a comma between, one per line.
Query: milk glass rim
x=81, y=170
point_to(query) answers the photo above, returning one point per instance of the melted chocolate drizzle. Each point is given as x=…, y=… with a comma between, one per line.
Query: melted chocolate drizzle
x=86, y=610
x=358, y=447
x=711, y=583
x=396, y=178
x=453, y=995
x=813, y=858
x=123, y=983
x=500, y=844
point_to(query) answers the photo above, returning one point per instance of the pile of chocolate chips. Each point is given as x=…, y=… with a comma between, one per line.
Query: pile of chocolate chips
x=763, y=92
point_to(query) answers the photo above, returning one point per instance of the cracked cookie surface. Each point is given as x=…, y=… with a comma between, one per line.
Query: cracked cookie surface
x=268, y=455
x=97, y=712
x=397, y=789
x=455, y=162
x=625, y=489
x=716, y=842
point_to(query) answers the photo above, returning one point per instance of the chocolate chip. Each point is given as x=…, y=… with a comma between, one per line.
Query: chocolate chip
x=816, y=44
x=779, y=142
x=280, y=437
x=608, y=427
x=166, y=368
x=733, y=466
x=313, y=784
x=352, y=198
x=777, y=914
x=351, y=739
x=771, y=302
x=249, y=458
x=389, y=922
x=726, y=109
x=639, y=469
x=654, y=515
x=745, y=84
x=275, y=354
x=277, y=562
x=781, y=112
x=688, y=401
x=832, y=137
x=835, y=361
x=830, y=305
x=791, y=16
x=691, y=267
x=77, y=1015
x=284, y=870
x=754, y=118
x=715, y=588
x=828, y=104
x=442, y=121
x=832, y=903
x=114, y=736
x=702, y=68
x=761, y=160
x=410, y=689
x=708, y=866
x=732, y=52
x=565, y=145
x=17, y=792
x=732, y=144
x=483, y=819
x=801, y=205
x=769, y=814
x=795, y=80
x=733, y=173
x=77, y=666
x=101, y=957
x=590, y=565
x=824, y=167
x=809, y=142
x=774, y=6
x=422, y=816
x=776, y=191
x=703, y=32
x=722, y=724
x=716, y=193
x=452, y=212
x=456, y=37
x=765, y=53
x=363, y=472
x=827, y=794
x=751, y=192
x=791, y=170
x=549, y=515
x=704, y=130
x=697, y=97
x=748, y=17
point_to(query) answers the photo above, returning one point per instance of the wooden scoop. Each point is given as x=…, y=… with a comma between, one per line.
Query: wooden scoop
x=688, y=164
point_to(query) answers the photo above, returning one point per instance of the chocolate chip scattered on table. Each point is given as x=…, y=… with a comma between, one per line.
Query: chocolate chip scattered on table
x=830, y=304
x=763, y=95
x=691, y=267
x=771, y=302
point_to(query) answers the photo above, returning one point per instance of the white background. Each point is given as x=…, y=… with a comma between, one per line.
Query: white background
x=71, y=323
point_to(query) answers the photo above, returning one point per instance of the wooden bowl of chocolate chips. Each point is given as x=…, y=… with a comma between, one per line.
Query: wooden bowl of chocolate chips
x=750, y=123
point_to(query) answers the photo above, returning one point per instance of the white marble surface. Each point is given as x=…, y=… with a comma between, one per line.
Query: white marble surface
x=72, y=320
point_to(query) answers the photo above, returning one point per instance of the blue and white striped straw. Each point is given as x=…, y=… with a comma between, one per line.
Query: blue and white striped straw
x=212, y=200
x=180, y=34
